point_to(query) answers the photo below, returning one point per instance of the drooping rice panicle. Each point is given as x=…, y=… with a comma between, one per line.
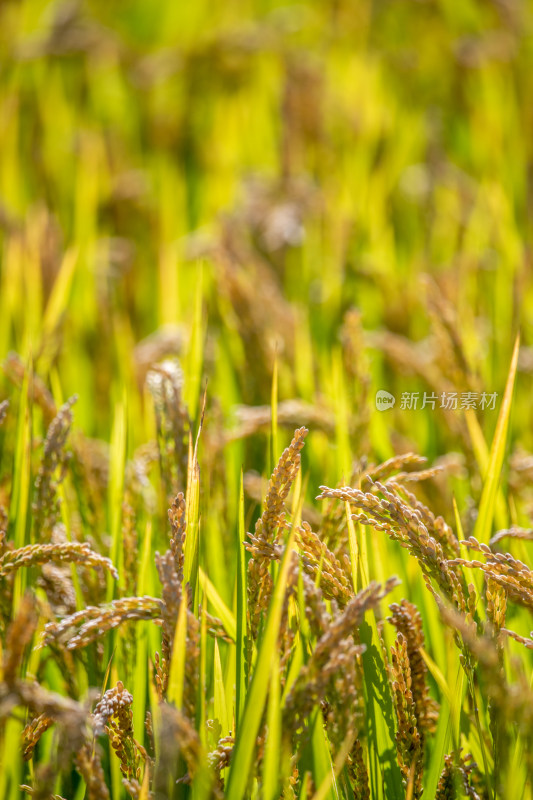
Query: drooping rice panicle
x=248, y=420
x=64, y=552
x=427, y=538
x=85, y=626
x=114, y=715
x=512, y=533
x=335, y=652
x=515, y=577
x=384, y=471
x=318, y=560
x=33, y=732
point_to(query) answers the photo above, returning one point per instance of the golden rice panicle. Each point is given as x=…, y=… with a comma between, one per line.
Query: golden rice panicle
x=459, y=773
x=333, y=654
x=88, y=762
x=51, y=472
x=383, y=471
x=247, y=420
x=318, y=559
x=192, y=666
x=515, y=577
x=358, y=772
x=32, y=733
x=496, y=604
x=113, y=714
x=437, y=527
x=409, y=742
x=178, y=523
x=91, y=623
x=6, y=595
x=259, y=580
x=446, y=789
x=315, y=608
x=406, y=525
x=219, y=758
x=279, y=486
x=63, y=552
x=510, y=533
x=165, y=383
x=407, y=621
x=172, y=593
x=19, y=635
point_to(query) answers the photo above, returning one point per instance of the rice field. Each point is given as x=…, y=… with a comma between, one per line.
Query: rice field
x=266, y=435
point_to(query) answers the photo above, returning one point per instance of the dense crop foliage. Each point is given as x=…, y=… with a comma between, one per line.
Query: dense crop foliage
x=266, y=451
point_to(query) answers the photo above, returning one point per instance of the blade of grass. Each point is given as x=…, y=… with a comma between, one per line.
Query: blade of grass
x=177, y=661
x=221, y=708
x=190, y=570
x=271, y=760
x=323, y=770
x=219, y=606
x=483, y=527
x=241, y=676
x=447, y=726
x=330, y=779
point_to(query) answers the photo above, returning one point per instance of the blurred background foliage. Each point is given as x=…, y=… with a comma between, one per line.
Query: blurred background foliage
x=342, y=187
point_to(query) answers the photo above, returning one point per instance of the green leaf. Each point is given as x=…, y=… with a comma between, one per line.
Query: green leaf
x=220, y=608
x=271, y=760
x=221, y=708
x=241, y=677
x=483, y=527
x=177, y=662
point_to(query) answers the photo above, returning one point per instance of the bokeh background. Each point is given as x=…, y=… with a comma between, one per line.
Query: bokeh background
x=340, y=188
